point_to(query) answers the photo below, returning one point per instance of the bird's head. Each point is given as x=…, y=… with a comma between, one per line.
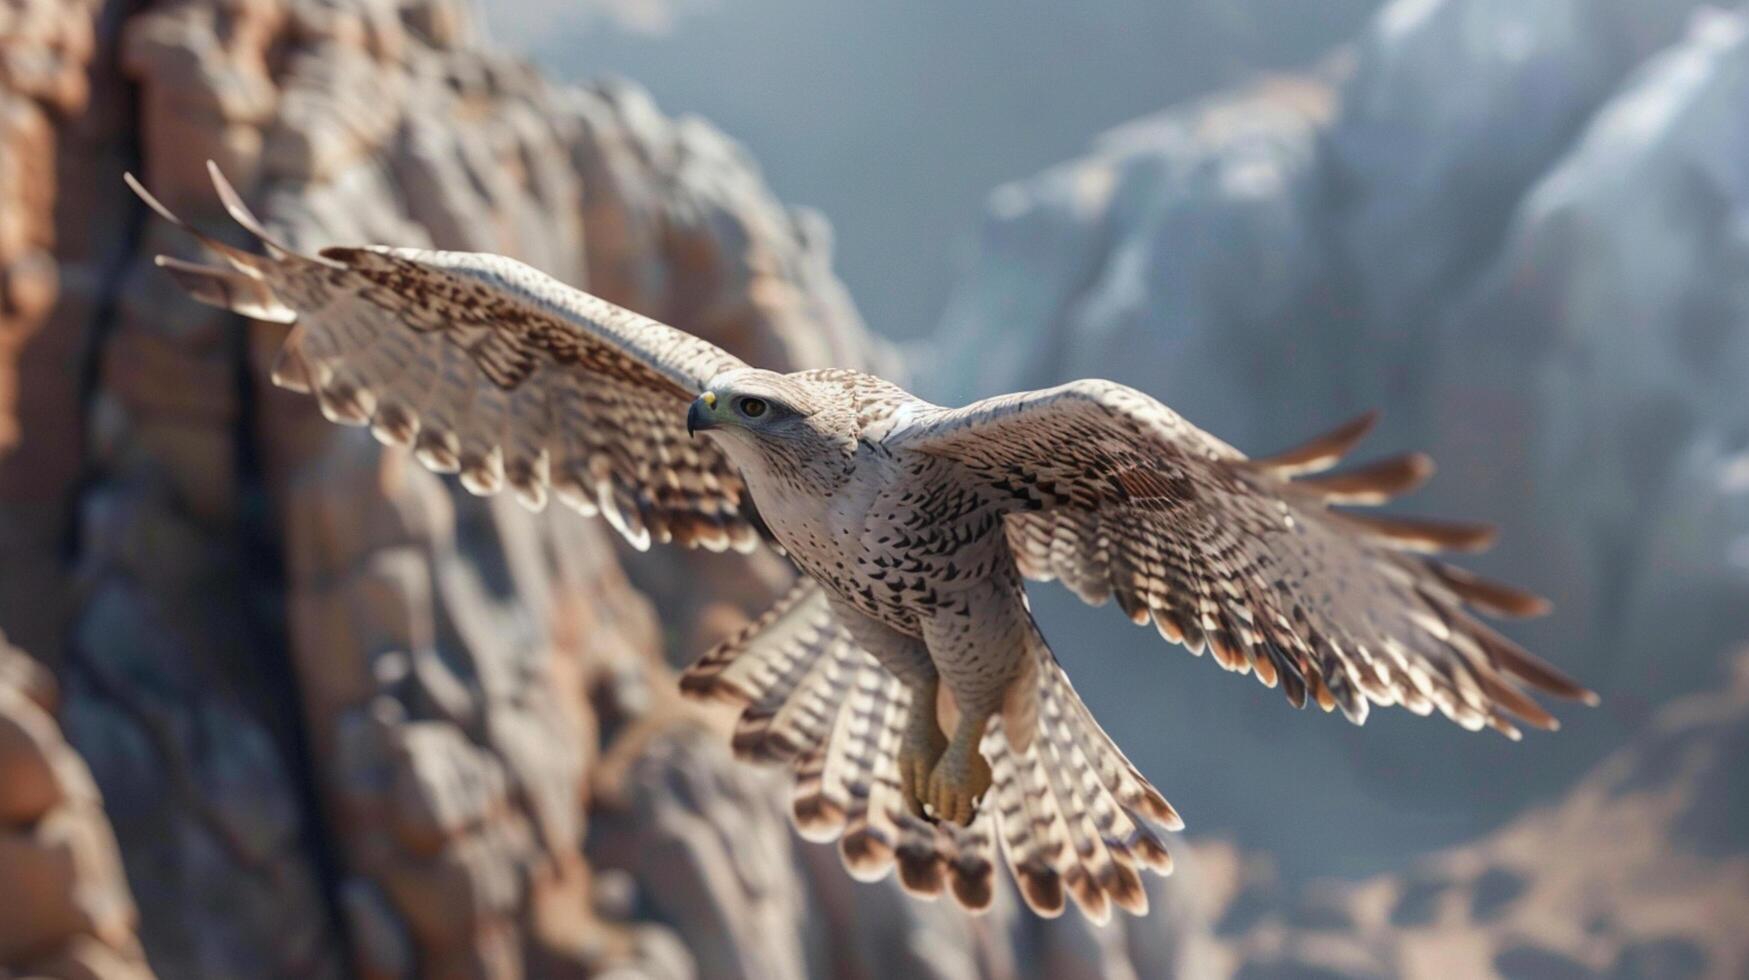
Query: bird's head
x=758, y=403
x=756, y=414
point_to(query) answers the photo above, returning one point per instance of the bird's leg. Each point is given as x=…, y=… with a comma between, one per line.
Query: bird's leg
x=978, y=639
x=907, y=658
x=922, y=744
x=961, y=776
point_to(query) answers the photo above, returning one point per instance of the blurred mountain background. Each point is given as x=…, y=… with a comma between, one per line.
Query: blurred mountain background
x=287, y=705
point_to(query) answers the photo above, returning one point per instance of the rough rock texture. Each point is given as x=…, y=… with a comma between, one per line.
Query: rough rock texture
x=1642, y=871
x=46, y=48
x=1518, y=228
x=68, y=912
x=347, y=719
x=43, y=65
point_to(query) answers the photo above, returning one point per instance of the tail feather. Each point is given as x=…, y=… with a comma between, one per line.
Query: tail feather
x=795, y=716
x=1073, y=819
x=793, y=630
x=1104, y=822
x=971, y=860
x=1033, y=838
x=790, y=669
x=870, y=834
x=880, y=833
x=1115, y=772
x=819, y=809
x=1090, y=862
x=1077, y=820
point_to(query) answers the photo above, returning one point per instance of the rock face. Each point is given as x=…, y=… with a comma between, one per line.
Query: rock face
x=1642, y=871
x=1612, y=320
x=1515, y=226
x=346, y=719
x=45, y=83
x=44, y=78
x=68, y=911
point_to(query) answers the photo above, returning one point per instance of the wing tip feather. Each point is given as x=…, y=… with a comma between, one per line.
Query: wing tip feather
x=1321, y=452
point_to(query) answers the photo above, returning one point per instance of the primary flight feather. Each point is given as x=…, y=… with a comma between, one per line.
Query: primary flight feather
x=903, y=680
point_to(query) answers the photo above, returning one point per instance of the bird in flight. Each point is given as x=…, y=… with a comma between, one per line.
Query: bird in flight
x=903, y=679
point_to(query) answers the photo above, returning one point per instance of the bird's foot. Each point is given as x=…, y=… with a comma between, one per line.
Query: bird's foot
x=919, y=751
x=958, y=782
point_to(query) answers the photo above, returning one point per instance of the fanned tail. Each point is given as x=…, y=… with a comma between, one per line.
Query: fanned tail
x=827, y=710
x=879, y=832
x=1075, y=817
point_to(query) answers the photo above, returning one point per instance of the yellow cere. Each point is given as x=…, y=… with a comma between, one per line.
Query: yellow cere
x=710, y=399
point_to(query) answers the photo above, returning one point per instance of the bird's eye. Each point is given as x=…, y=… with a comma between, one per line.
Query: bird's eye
x=752, y=407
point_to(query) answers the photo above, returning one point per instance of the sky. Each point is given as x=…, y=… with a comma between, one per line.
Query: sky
x=897, y=119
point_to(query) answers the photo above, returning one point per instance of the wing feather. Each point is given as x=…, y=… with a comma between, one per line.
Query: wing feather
x=488, y=368
x=1110, y=492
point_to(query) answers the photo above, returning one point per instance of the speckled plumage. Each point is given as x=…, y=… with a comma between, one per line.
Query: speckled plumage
x=904, y=672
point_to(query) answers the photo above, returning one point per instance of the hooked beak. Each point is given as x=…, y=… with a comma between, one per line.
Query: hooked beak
x=699, y=416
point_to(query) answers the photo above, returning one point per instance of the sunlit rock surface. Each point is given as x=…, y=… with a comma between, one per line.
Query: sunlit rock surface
x=1641, y=871
x=68, y=912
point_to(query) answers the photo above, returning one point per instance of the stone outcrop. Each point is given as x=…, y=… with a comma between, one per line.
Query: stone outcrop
x=1604, y=347
x=46, y=52
x=1642, y=871
x=68, y=912
x=42, y=78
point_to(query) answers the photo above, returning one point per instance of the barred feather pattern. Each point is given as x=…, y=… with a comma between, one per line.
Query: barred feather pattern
x=790, y=635
x=1073, y=817
x=1077, y=820
x=817, y=704
x=1118, y=497
x=491, y=369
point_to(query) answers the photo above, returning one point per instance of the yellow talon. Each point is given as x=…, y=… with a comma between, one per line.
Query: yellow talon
x=919, y=751
x=959, y=780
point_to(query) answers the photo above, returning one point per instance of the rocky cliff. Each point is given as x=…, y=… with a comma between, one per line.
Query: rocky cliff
x=343, y=718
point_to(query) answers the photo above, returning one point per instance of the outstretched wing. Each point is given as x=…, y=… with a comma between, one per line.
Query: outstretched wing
x=1111, y=492
x=492, y=369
